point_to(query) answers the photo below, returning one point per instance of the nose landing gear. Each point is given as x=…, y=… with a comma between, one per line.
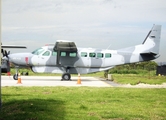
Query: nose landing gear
x=15, y=76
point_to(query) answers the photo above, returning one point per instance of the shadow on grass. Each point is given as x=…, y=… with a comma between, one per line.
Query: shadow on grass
x=33, y=109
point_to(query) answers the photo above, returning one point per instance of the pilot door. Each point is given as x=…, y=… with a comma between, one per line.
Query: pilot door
x=44, y=58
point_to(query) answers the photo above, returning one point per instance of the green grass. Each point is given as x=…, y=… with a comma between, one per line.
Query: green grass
x=82, y=103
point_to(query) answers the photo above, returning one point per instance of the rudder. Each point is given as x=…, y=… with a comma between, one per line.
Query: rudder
x=152, y=40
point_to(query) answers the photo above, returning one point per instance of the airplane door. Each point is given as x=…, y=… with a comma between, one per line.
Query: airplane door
x=44, y=59
x=53, y=58
x=34, y=60
x=68, y=58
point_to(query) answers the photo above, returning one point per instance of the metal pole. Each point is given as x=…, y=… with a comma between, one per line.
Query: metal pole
x=0, y=58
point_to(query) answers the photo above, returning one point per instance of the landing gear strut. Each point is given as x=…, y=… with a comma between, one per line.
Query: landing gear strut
x=66, y=76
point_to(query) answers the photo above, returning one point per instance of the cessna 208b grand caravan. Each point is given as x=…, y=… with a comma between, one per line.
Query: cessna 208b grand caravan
x=64, y=57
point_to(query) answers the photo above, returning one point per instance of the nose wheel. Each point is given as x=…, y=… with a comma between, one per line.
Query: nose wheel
x=66, y=76
x=15, y=76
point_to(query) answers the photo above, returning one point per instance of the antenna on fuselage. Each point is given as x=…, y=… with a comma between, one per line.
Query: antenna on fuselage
x=108, y=47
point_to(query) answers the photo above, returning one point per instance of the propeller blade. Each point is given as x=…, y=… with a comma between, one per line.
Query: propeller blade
x=6, y=54
x=3, y=53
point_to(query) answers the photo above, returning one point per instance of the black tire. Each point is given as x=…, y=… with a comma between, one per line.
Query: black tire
x=15, y=76
x=66, y=76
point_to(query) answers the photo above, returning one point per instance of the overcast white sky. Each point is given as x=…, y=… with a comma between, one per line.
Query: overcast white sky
x=89, y=23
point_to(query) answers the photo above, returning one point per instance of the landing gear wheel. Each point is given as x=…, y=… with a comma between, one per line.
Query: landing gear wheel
x=66, y=76
x=15, y=76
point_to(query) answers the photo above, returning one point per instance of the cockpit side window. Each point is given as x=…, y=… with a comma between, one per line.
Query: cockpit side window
x=38, y=51
x=47, y=53
x=54, y=53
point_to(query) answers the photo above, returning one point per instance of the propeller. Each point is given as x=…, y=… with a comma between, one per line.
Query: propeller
x=5, y=60
x=6, y=63
x=5, y=53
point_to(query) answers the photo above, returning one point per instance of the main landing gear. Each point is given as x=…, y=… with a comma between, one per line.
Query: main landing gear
x=66, y=76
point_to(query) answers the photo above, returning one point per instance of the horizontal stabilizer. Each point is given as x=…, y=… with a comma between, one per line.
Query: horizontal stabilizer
x=150, y=53
x=149, y=56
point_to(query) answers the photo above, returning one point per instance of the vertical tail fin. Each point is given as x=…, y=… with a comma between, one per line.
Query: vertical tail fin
x=152, y=40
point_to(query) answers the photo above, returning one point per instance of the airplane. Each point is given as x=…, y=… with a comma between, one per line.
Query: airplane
x=65, y=58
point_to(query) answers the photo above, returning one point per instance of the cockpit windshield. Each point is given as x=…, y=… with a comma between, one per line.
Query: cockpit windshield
x=38, y=51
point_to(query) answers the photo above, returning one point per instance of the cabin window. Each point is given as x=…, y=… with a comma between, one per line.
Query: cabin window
x=47, y=53
x=63, y=54
x=73, y=54
x=83, y=54
x=54, y=53
x=107, y=55
x=38, y=51
x=92, y=54
x=99, y=55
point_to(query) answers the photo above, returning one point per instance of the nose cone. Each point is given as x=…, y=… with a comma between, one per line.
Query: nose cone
x=5, y=58
x=19, y=58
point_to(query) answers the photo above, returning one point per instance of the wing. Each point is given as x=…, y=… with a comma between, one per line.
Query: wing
x=12, y=46
x=5, y=53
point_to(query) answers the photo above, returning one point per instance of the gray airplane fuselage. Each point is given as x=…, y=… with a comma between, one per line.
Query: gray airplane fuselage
x=86, y=60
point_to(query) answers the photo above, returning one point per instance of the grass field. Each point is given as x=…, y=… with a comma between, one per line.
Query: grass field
x=82, y=103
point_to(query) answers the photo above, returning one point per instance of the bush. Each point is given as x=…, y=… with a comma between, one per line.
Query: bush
x=134, y=68
x=125, y=71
